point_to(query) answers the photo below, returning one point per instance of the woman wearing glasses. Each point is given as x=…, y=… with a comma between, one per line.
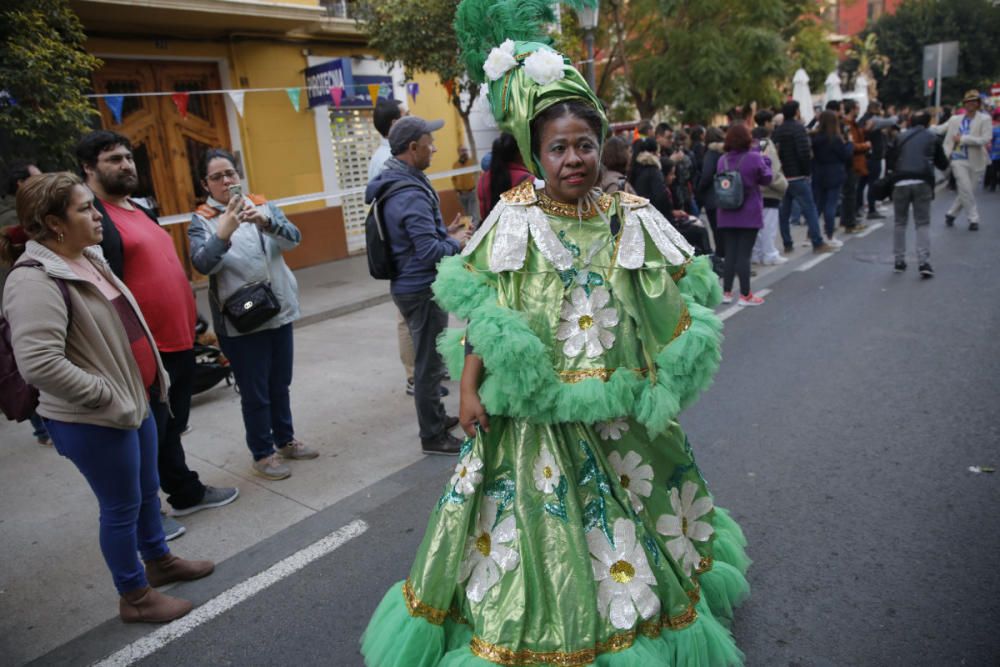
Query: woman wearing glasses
x=238, y=239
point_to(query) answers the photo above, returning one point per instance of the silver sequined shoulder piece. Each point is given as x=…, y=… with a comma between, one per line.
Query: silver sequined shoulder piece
x=674, y=247
x=484, y=229
x=632, y=245
x=510, y=243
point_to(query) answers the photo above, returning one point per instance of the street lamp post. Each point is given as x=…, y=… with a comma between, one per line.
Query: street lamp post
x=588, y=21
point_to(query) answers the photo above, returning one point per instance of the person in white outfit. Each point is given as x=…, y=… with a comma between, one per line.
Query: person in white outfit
x=966, y=142
x=764, y=250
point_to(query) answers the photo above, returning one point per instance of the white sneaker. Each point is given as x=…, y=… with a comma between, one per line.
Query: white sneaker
x=727, y=297
x=834, y=243
x=778, y=259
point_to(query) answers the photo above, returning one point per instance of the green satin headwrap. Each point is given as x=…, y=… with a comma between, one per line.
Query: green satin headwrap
x=515, y=99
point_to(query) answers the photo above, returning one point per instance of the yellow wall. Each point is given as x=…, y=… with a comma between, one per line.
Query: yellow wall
x=279, y=145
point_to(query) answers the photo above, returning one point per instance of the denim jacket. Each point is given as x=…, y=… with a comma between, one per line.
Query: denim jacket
x=241, y=260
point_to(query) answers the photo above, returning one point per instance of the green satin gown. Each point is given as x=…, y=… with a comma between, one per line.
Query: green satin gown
x=578, y=530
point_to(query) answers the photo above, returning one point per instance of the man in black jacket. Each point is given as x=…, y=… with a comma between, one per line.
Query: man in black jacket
x=917, y=152
x=795, y=153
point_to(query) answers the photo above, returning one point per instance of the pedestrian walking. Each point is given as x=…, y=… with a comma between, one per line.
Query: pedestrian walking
x=412, y=215
x=705, y=191
x=764, y=250
x=79, y=336
x=793, y=148
x=238, y=240
x=558, y=418
x=465, y=188
x=856, y=170
x=966, y=142
x=832, y=157
x=916, y=154
x=739, y=226
x=992, y=179
x=142, y=255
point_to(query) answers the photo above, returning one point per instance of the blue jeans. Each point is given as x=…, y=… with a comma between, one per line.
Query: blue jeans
x=120, y=467
x=826, y=201
x=800, y=191
x=262, y=366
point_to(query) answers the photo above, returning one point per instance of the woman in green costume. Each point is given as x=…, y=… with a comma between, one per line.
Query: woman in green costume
x=576, y=529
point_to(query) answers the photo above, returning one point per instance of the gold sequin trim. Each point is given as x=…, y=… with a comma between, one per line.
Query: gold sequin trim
x=603, y=374
x=521, y=194
x=631, y=200
x=683, y=324
x=418, y=608
x=677, y=275
x=694, y=595
x=704, y=565
x=562, y=209
x=651, y=628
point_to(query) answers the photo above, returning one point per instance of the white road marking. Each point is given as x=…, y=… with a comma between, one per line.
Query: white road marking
x=871, y=228
x=814, y=261
x=732, y=310
x=225, y=601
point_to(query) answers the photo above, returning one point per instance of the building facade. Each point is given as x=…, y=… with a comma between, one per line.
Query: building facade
x=263, y=48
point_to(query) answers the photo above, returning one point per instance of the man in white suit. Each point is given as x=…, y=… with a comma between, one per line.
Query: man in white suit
x=966, y=142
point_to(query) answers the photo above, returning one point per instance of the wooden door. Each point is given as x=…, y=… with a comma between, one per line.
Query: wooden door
x=167, y=146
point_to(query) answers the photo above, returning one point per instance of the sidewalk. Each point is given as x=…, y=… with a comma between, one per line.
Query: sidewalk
x=348, y=401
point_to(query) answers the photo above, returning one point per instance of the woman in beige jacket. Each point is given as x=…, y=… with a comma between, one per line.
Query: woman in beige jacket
x=93, y=360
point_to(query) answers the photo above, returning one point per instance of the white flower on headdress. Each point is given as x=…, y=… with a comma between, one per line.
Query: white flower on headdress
x=500, y=60
x=586, y=322
x=544, y=66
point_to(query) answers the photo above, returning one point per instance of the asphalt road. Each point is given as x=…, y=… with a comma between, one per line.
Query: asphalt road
x=839, y=432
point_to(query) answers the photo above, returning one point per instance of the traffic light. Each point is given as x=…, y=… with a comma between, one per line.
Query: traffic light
x=928, y=87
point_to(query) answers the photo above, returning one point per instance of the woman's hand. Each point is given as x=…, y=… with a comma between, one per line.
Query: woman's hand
x=229, y=221
x=254, y=215
x=470, y=409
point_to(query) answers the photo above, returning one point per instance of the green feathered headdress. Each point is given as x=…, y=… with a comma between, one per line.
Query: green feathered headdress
x=504, y=45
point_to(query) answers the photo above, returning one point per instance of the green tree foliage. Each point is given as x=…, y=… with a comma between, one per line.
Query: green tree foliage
x=806, y=35
x=419, y=35
x=974, y=24
x=44, y=68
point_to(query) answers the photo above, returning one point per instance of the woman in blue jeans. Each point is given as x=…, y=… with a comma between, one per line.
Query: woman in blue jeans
x=80, y=338
x=831, y=160
x=238, y=239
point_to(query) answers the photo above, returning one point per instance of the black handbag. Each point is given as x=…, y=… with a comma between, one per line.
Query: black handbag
x=253, y=304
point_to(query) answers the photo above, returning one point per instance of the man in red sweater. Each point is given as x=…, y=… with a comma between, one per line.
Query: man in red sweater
x=142, y=254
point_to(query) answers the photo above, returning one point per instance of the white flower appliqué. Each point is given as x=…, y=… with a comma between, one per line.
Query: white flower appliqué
x=612, y=429
x=467, y=475
x=634, y=475
x=585, y=322
x=684, y=525
x=500, y=60
x=544, y=66
x=487, y=554
x=546, y=472
x=625, y=577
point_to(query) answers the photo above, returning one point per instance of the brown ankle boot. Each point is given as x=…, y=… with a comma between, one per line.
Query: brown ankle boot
x=148, y=605
x=170, y=568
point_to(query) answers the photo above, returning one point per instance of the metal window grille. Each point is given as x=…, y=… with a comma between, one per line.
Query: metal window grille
x=354, y=141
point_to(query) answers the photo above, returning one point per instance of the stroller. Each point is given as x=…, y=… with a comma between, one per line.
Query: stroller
x=211, y=366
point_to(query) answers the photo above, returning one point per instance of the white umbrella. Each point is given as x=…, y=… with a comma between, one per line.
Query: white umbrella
x=801, y=94
x=833, y=91
x=861, y=93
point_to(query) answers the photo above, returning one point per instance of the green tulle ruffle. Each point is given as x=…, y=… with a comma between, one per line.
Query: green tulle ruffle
x=521, y=382
x=394, y=638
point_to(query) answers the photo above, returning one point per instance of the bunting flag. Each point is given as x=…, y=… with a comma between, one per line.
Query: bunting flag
x=337, y=93
x=293, y=97
x=449, y=87
x=181, y=102
x=412, y=89
x=373, y=89
x=114, y=103
x=237, y=98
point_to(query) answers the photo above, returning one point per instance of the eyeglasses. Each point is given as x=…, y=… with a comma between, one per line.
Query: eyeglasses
x=219, y=175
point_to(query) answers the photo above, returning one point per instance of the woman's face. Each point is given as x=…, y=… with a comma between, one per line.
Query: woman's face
x=218, y=177
x=670, y=177
x=81, y=223
x=570, y=156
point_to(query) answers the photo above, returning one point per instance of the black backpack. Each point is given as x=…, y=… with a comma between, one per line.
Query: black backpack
x=377, y=243
x=18, y=399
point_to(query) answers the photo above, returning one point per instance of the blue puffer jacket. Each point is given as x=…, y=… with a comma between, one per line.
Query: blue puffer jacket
x=831, y=160
x=413, y=222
